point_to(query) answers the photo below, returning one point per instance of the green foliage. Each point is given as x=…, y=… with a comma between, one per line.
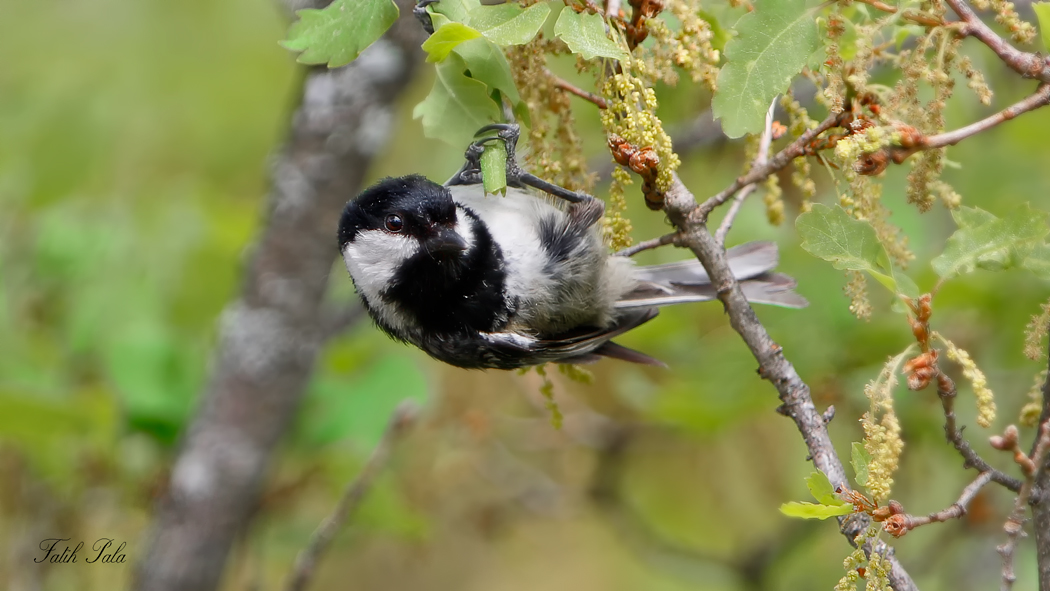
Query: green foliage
x=585, y=36
x=774, y=42
x=1042, y=13
x=820, y=487
x=338, y=33
x=806, y=510
x=509, y=24
x=827, y=505
x=455, y=10
x=445, y=39
x=860, y=459
x=457, y=105
x=984, y=241
x=494, y=168
x=847, y=243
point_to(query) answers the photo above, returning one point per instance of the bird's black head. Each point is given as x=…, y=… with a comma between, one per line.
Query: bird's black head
x=410, y=206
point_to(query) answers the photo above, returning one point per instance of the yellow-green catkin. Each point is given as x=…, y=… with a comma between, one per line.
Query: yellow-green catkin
x=1035, y=332
x=882, y=430
x=547, y=390
x=856, y=289
x=688, y=48
x=576, y=373
x=1005, y=14
x=1031, y=411
x=615, y=225
x=555, y=149
x=774, y=200
x=985, y=398
x=631, y=114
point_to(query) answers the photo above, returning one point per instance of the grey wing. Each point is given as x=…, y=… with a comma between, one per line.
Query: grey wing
x=687, y=281
x=581, y=345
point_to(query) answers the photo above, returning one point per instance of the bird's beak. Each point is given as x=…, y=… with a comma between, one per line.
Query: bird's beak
x=446, y=241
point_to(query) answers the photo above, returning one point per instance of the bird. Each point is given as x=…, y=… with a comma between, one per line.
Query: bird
x=484, y=281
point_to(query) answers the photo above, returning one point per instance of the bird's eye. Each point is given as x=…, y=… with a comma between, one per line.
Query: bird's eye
x=394, y=223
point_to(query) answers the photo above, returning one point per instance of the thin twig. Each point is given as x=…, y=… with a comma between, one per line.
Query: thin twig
x=1029, y=65
x=690, y=219
x=956, y=509
x=1041, y=508
x=698, y=214
x=306, y=563
x=760, y=159
x=664, y=240
x=569, y=87
x=1014, y=526
x=971, y=459
x=1040, y=98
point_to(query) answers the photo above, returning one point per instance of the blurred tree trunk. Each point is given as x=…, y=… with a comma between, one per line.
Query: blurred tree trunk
x=271, y=335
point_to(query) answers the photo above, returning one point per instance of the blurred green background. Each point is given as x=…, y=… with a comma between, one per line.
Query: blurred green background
x=134, y=139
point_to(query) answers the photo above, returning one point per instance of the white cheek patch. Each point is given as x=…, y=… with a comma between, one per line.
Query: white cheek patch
x=372, y=259
x=463, y=228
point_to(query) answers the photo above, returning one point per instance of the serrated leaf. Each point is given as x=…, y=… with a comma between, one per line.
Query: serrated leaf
x=820, y=487
x=585, y=36
x=971, y=217
x=847, y=243
x=455, y=10
x=445, y=39
x=337, y=34
x=995, y=245
x=494, y=168
x=1038, y=261
x=486, y=63
x=508, y=24
x=774, y=43
x=805, y=510
x=860, y=458
x=1042, y=14
x=457, y=105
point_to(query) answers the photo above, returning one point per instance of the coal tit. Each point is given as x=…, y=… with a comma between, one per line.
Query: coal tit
x=489, y=281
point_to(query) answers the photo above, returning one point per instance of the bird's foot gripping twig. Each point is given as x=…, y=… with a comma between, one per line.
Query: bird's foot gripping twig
x=508, y=133
x=421, y=14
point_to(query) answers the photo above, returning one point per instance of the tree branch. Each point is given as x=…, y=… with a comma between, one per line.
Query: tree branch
x=956, y=510
x=305, y=564
x=1014, y=526
x=1041, y=508
x=971, y=459
x=650, y=244
x=690, y=219
x=760, y=159
x=698, y=213
x=271, y=335
x=1028, y=65
x=567, y=86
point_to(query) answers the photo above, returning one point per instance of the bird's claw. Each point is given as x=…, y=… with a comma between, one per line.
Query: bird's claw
x=421, y=14
x=508, y=133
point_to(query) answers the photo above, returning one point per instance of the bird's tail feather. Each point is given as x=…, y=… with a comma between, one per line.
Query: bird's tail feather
x=687, y=281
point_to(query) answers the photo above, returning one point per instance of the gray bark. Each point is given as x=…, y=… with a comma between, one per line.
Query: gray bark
x=271, y=335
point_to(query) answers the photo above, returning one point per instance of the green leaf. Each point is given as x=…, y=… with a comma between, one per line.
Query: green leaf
x=1042, y=13
x=457, y=105
x=971, y=217
x=456, y=10
x=860, y=458
x=847, y=243
x=820, y=487
x=719, y=35
x=805, y=510
x=774, y=42
x=1038, y=261
x=337, y=34
x=487, y=64
x=508, y=24
x=445, y=39
x=585, y=35
x=994, y=245
x=494, y=168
